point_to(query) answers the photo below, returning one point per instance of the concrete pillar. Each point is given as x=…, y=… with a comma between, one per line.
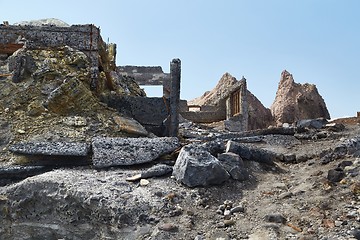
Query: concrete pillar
x=244, y=110
x=228, y=107
x=175, y=74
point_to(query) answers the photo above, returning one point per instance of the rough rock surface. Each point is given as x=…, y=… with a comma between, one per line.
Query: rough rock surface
x=295, y=101
x=109, y=152
x=51, y=148
x=283, y=201
x=197, y=167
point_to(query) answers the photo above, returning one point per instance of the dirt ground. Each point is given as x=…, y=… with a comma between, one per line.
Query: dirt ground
x=288, y=200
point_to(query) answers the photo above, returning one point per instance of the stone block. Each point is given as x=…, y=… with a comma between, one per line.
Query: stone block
x=109, y=152
x=51, y=148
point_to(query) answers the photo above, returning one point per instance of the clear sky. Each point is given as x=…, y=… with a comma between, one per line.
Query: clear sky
x=318, y=41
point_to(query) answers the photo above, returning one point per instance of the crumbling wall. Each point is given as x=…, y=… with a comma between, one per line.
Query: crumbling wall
x=148, y=76
x=85, y=38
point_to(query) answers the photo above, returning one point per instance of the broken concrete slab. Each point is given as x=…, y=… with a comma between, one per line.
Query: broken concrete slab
x=130, y=151
x=197, y=167
x=51, y=148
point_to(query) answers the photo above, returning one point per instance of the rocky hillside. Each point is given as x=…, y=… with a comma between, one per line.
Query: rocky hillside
x=296, y=101
x=45, y=95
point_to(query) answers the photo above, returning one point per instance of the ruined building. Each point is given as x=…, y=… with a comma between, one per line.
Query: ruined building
x=96, y=69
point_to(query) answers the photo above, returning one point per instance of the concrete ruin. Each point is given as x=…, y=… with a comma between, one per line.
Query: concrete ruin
x=158, y=115
x=85, y=38
x=232, y=107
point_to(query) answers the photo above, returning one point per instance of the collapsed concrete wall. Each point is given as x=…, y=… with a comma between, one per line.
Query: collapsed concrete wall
x=85, y=38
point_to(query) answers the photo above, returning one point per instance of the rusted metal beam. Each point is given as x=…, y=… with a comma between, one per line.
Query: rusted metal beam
x=10, y=48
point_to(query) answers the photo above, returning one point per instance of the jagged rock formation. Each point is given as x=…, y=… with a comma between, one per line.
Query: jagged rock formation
x=259, y=116
x=295, y=101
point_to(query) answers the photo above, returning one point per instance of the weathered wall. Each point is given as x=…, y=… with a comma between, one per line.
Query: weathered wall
x=150, y=112
x=145, y=75
x=85, y=38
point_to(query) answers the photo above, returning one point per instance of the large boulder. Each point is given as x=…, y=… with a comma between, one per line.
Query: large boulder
x=295, y=101
x=197, y=167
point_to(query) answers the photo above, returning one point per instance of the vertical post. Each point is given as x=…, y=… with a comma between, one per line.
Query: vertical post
x=228, y=108
x=244, y=111
x=175, y=74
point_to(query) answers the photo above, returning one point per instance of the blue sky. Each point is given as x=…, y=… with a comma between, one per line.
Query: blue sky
x=318, y=41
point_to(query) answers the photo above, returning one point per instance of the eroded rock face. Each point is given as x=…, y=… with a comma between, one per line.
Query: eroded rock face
x=295, y=101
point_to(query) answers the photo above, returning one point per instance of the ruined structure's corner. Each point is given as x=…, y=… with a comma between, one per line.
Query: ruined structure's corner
x=232, y=108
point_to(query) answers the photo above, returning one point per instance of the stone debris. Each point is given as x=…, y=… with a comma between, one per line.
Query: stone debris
x=51, y=148
x=155, y=171
x=109, y=152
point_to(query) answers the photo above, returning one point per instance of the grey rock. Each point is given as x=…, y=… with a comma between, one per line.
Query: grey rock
x=234, y=165
x=10, y=173
x=289, y=158
x=275, y=218
x=237, y=209
x=51, y=148
x=356, y=233
x=197, y=167
x=311, y=123
x=157, y=171
x=75, y=203
x=335, y=175
x=130, y=151
x=252, y=154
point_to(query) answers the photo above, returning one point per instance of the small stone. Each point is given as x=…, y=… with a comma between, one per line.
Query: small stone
x=229, y=222
x=199, y=237
x=335, y=175
x=222, y=207
x=356, y=233
x=275, y=218
x=338, y=223
x=169, y=227
x=133, y=178
x=237, y=209
x=328, y=223
x=144, y=182
x=219, y=212
x=227, y=212
x=285, y=195
x=21, y=131
x=355, y=188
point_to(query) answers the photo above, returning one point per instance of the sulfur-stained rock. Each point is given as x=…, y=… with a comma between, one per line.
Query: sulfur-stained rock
x=130, y=126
